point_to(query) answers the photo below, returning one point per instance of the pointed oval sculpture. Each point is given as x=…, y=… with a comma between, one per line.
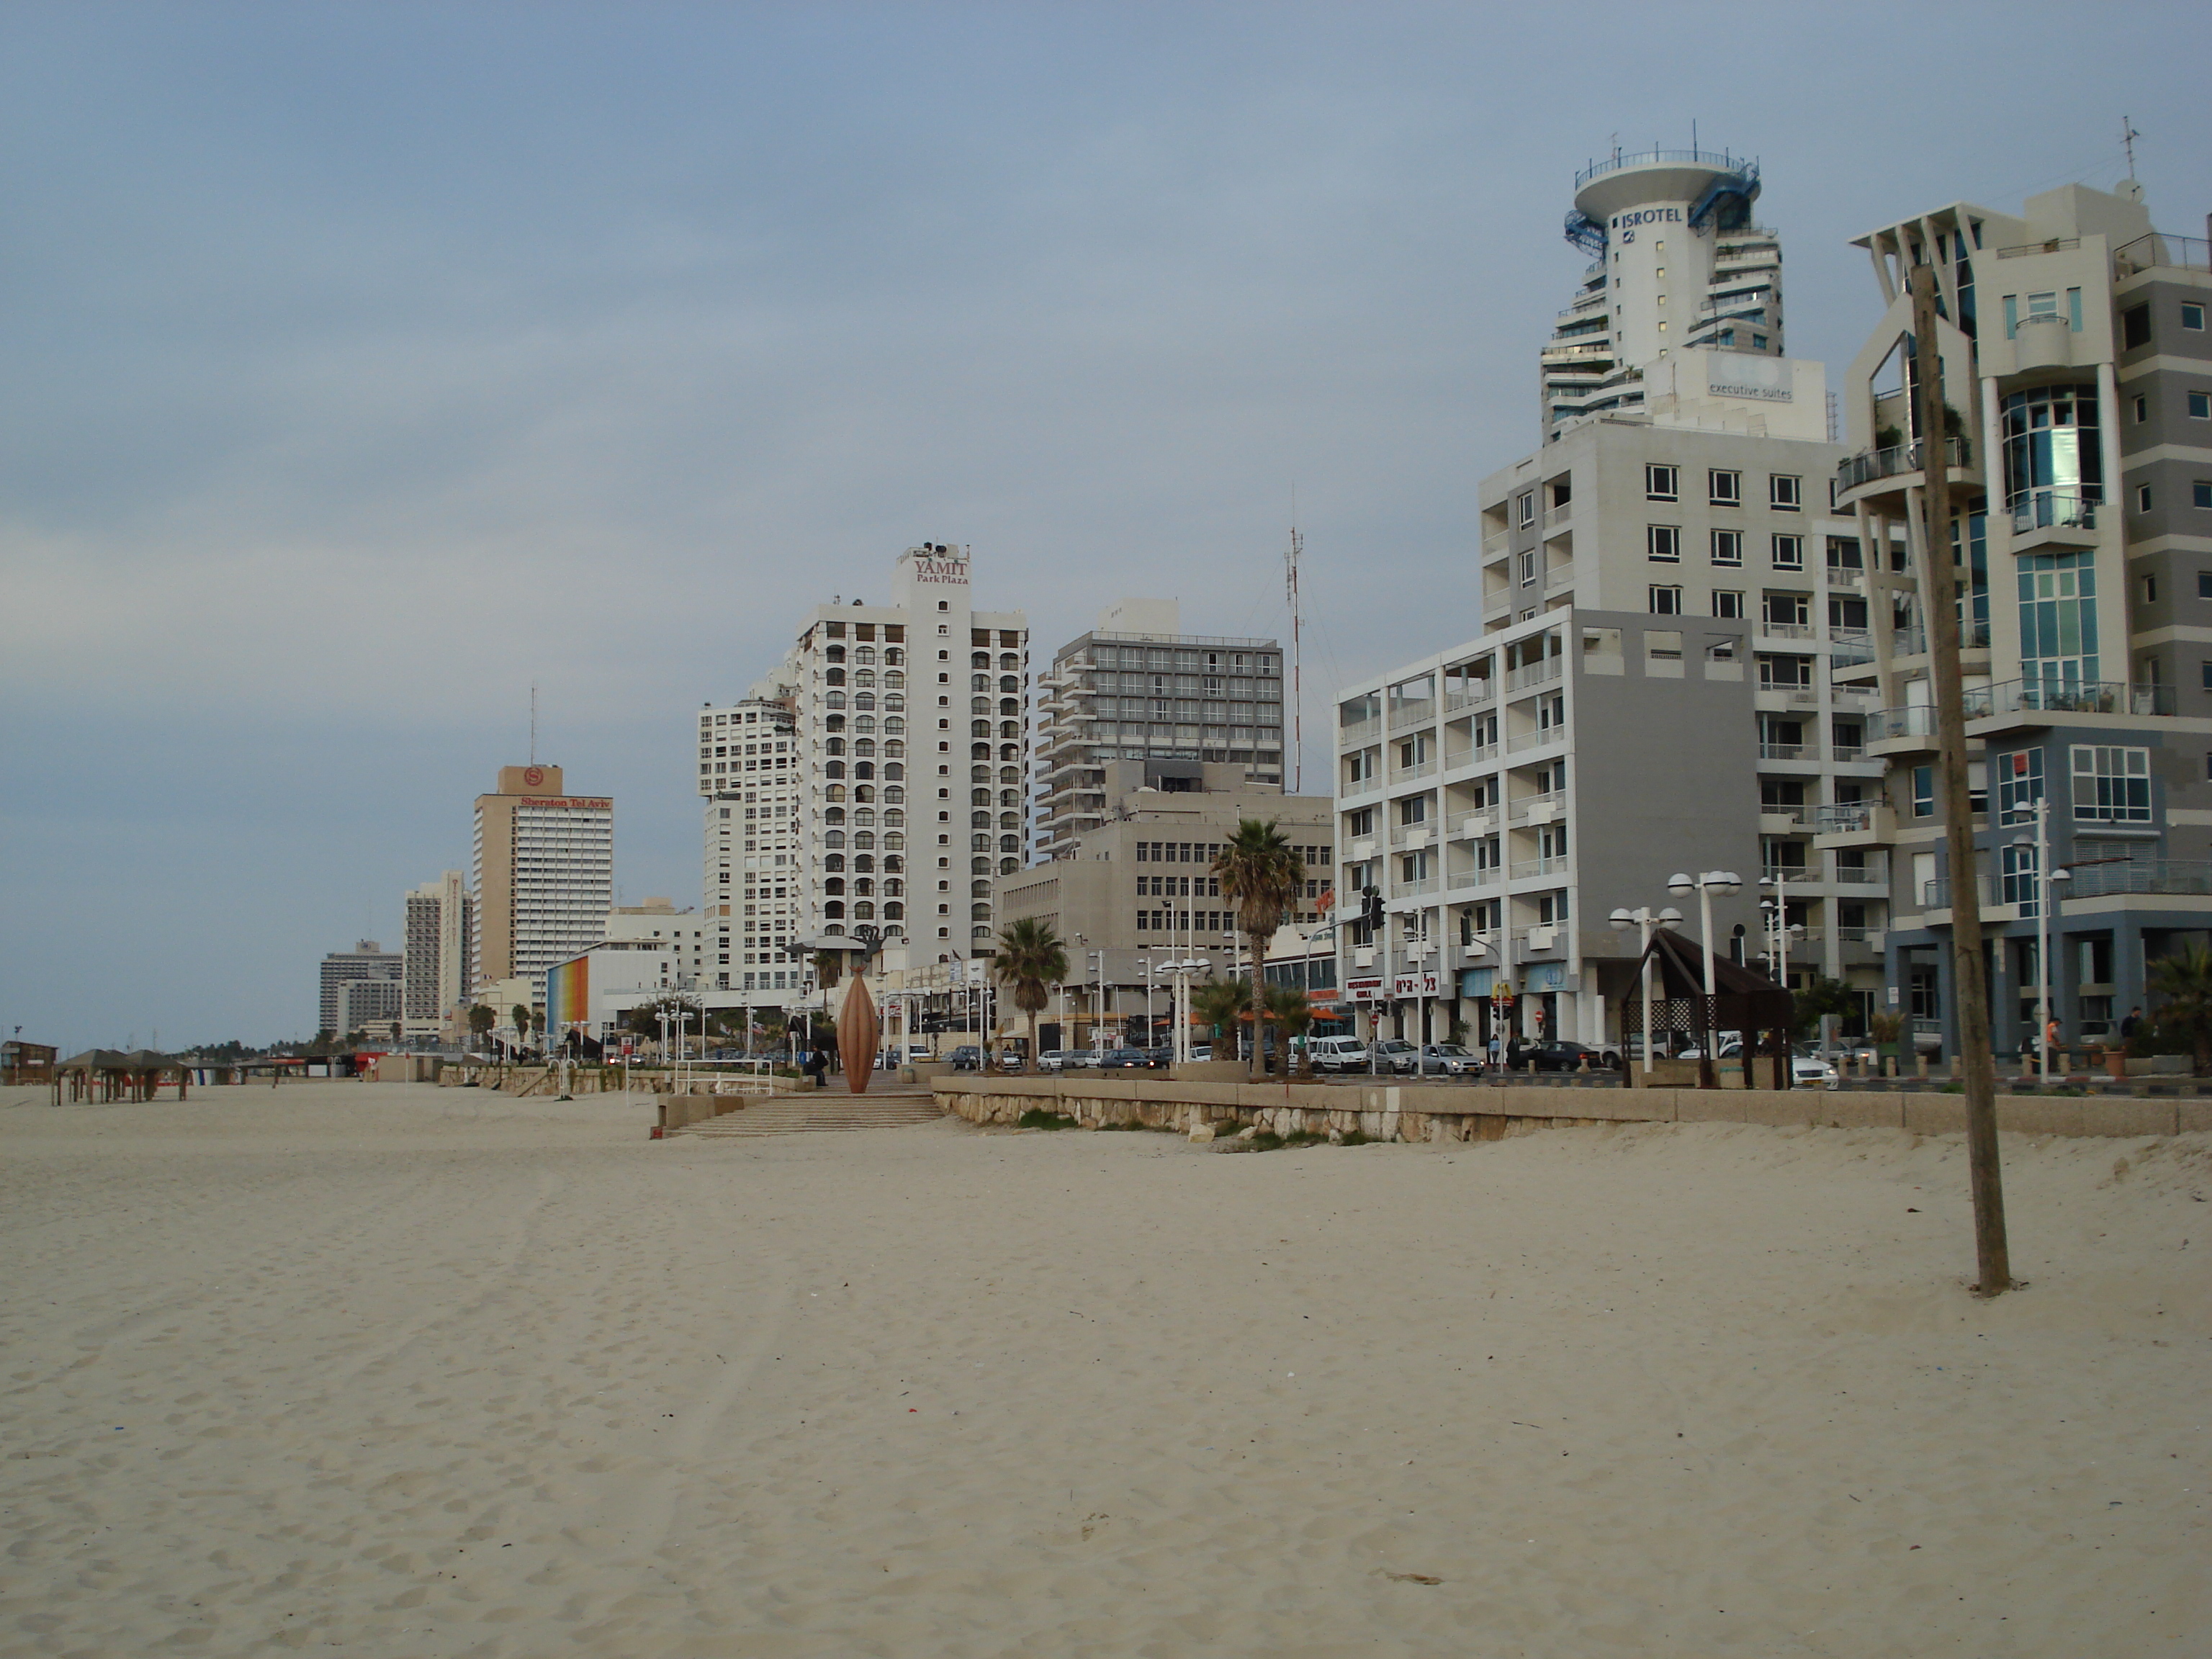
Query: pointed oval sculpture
x=857, y=1028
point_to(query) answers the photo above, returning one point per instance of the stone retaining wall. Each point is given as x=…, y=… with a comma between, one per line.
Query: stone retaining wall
x=1480, y=1112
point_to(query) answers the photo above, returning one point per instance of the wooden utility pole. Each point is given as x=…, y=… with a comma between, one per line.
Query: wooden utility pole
x=1939, y=586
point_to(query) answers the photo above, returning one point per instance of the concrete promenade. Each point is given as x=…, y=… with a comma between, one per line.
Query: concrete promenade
x=1489, y=1112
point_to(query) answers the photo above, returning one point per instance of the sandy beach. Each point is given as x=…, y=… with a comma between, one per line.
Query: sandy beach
x=406, y=1371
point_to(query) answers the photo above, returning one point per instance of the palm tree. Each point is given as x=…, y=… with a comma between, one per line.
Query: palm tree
x=2184, y=984
x=481, y=1020
x=1221, y=1004
x=1262, y=873
x=1293, y=1016
x=1032, y=959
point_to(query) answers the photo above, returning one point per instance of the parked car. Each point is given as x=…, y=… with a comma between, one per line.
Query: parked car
x=1338, y=1054
x=1201, y=1051
x=967, y=1058
x=1012, y=1059
x=1129, y=1059
x=1053, y=1060
x=1808, y=1070
x=1163, y=1056
x=1393, y=1055
x=1441, y=1060
x=1566, y=1054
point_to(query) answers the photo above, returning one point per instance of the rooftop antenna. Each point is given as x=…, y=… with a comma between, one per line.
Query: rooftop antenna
x=533, y=723
x=1291, y=556
x=2128, y=137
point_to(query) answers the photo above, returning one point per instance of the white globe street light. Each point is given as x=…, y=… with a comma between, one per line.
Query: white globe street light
x=1726, y=883
x=1643, y=919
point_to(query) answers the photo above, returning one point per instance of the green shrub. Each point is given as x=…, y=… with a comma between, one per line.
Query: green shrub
x=1037, y=1118
x=1355, y=1137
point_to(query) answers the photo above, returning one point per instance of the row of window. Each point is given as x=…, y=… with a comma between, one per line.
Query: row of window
x=1663, y=544
x=2200, y=495
x=2111, y=785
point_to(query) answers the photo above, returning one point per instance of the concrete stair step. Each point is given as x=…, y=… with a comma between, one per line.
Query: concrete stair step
x=818, y=1113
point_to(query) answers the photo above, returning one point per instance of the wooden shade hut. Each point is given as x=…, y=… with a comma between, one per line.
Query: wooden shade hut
x=109, y=1075
x=1743, y=1000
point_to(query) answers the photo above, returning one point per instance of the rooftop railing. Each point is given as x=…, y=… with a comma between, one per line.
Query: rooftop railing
x=1720, y=160
x=2155, y=252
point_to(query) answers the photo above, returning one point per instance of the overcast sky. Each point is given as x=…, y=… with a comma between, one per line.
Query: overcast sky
x=361, y=366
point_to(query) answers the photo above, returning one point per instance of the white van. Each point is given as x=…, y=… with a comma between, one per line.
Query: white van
x=1338, y=1054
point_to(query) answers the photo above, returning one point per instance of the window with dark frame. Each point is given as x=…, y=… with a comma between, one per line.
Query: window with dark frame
x=1662, y=542
x=1725, y=487
x=1785, y=493
x=1661, y=484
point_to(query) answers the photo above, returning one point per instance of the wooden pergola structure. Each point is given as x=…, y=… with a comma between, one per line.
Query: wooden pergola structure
x=108, y=1075
x=1743, y=1000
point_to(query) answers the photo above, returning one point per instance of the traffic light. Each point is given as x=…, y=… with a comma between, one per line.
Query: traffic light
x=1371, y=907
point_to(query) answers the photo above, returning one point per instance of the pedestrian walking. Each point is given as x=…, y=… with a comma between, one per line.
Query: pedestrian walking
x=2129, y=1026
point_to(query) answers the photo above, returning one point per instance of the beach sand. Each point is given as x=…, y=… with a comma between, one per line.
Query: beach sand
x=411, y=1372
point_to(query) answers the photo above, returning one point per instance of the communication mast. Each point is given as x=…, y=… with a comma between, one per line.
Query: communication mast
x=1297, y=701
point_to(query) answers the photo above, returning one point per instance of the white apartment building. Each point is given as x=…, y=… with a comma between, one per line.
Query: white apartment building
x=2077, y=364
x=543, y=875
x=437, y=954
x=367, y=960
x=1136, y=688
x=749, y=777
x=907, y=773
x=1664, y=591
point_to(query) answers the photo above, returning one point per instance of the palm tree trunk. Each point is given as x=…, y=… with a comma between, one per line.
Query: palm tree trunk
x=1030, y=1060
x=1258, y=1013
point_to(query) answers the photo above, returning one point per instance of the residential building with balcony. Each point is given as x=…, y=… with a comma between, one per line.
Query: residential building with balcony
x=749, y=777
x=2077, y=373
x=909, y=739
x=1666, y=601
x=1136, y=688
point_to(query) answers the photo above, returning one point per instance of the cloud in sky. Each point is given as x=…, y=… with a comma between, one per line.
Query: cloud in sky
x=365, y=365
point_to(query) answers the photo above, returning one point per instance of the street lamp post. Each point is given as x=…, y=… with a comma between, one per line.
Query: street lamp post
x=1778, y=916
x=1707, y=882
x=1644, y=920
x=2045, y=879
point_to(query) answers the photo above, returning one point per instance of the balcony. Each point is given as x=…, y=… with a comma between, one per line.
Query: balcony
x=1575, y=357
x=1536, y=740
x=1936, y=894
x=2191, y=878
x=1411, y=835
x=1849, y=647
x=1479, y=692
x=1360, y=734
x=1414, y=888
x=1789, y=751
x=1869, y=871
x=1872, y=465
x=1475, y=825
x=2053, y=517
x=1536, y=673
x=1529, y=869
x=1407, y=716
x=1537, y=808
x=1914, y=723
x=1782, y=630
x=1854, y=824
x=1420, y=769
x=1561, y=574
x=2014, y=698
